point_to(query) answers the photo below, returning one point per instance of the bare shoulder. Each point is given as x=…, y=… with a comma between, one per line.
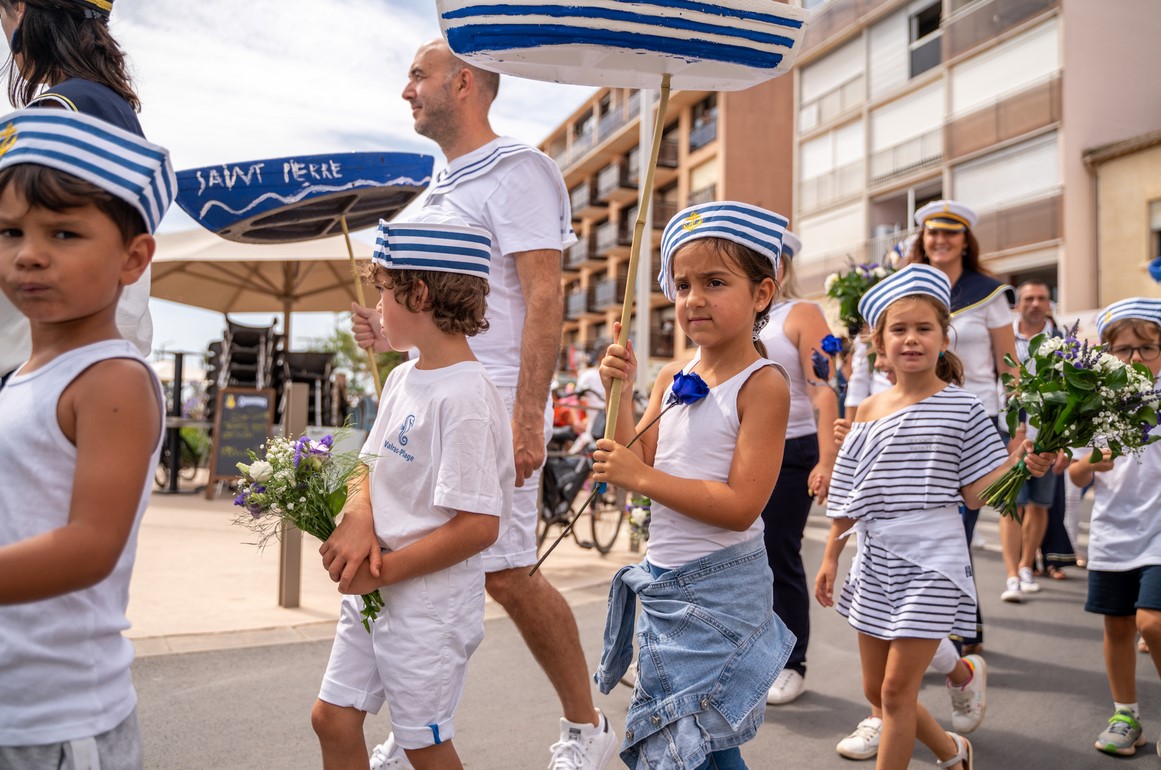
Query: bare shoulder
x=766, y=386
x=871, y=408
x=670, y=369
x=118, y=393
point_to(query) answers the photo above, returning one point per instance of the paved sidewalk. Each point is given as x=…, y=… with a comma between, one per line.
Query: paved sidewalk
x=198, y=585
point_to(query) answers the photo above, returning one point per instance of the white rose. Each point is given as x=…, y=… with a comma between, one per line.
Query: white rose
x=879, y=272
x=829, y=283
x=261, y=471
x=639, y=516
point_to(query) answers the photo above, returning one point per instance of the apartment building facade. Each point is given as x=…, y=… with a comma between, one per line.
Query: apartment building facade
x=990, y=102
x=716, y=146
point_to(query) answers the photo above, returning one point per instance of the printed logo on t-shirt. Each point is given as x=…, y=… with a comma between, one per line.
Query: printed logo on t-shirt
x=967, y=571
x=390, y=446
x=407, y=425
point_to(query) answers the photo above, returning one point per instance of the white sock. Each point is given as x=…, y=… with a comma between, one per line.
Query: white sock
x=945, y=657
x=586, y=728
x=1130, y=707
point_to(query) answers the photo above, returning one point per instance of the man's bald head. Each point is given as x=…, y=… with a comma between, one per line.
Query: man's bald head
x=437, y=51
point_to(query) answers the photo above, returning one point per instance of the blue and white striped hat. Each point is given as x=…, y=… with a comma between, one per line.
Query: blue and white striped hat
x=1135, y=307
x=751, y=226
x=434, y=240
x=911, y=280
x=121, y=163
x=791, y=244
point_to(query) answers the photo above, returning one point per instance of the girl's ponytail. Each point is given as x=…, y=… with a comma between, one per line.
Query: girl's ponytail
x=949, y=368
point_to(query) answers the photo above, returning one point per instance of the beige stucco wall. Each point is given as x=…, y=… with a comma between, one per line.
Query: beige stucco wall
x=1125, y=185
x=1110, y=59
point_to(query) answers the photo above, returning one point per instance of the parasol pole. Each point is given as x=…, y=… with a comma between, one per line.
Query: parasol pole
x=644, y=202
x=362, y=301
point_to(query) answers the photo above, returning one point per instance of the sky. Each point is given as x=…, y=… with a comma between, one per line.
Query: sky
x=223, y=81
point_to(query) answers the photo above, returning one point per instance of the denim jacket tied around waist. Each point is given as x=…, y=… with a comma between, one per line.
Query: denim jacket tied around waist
x=710, y=648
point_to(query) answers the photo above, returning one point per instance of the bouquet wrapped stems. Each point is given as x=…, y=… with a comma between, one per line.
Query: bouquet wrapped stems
x=303, y=484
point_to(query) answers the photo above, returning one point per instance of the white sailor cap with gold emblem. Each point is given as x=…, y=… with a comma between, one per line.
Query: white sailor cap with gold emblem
x=951, y=216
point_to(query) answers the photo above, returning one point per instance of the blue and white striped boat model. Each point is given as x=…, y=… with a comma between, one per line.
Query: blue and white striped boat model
x=301, y=198
x=718, y=46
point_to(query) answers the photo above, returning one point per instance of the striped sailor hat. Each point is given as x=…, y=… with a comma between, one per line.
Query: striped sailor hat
x=434, y=240
x=121, y=163
x=791, y=244
x=946, y=215
x=911, y=280
x=751, y=226
x=1135, y=307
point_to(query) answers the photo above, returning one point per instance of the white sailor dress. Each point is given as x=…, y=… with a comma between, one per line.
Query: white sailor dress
x=900, y=477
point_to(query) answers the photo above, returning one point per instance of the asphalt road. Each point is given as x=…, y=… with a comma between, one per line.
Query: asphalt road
x=1047, y=695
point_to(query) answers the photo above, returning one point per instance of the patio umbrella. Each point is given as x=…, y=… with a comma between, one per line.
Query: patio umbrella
x=198, y=268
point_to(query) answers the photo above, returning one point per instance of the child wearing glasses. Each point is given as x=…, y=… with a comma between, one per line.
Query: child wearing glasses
x=1124, y=578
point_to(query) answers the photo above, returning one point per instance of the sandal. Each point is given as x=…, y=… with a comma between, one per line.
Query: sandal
x=1056, y=573
x=1142, y=645
x=964, y=754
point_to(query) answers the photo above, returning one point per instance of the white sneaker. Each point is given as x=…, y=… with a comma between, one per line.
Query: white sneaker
x=583, y=747
x=1028, y=583
x=863, y=743
x=787, y=687
x=388, y=756
x=968, y=703
x=1012, y=592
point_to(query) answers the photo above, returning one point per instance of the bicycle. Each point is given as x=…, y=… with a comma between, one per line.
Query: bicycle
x=194, y=456
x=567, y=472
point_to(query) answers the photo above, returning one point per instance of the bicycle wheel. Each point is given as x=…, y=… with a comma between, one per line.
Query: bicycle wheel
x=161, y=472
x=605, y=516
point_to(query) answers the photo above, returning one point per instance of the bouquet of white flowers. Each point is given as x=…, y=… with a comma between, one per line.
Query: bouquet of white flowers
x=850, y=286
x=1076, y=395
x=302, y=483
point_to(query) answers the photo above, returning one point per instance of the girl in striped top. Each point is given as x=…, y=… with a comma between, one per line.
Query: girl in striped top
x=916, y=452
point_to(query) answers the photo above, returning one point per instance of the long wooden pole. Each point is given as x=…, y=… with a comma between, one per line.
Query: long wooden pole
x=644, y=202
x=362, y=301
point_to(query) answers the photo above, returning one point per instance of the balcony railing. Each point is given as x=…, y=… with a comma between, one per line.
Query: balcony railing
x=576, y=255
x=706, y=194
x=983, y=22
x=832, y=104
x=833, y=186
x=1020, y=224
x=835, y=17
x=920, y=152
x=580, y=198
x=1006, y=118
x=926, y=55
x=609, y=293
x=606, y=237
x=577, y=304
x=702, y=135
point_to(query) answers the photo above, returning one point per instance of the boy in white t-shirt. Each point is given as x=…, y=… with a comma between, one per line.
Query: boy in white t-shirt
x=441, y=476
x=1124, y=544
x=83, y=419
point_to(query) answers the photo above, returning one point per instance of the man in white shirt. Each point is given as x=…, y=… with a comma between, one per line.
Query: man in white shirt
x=1019, y=542
x=518, y=194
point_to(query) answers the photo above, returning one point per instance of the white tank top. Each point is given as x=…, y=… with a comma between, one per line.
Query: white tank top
x=64, y=663
x=779, y=348
x=697, y=441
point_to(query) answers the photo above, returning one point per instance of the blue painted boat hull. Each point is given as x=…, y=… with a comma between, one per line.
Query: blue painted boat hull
x=299, y=198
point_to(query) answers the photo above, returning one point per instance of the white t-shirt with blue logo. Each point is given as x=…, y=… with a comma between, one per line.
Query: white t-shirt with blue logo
x=441, y=443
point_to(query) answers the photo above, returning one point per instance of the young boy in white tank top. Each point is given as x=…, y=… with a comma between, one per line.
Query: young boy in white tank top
x=79, y=200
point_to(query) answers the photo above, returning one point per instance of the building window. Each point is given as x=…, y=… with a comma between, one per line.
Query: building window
x=1154, y=230
x=925, y=39
x=705, y=123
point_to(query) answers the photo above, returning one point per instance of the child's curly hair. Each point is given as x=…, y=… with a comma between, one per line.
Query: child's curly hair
x=457, y=301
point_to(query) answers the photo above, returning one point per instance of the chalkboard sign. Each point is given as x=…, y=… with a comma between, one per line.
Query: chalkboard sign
x=243, y=421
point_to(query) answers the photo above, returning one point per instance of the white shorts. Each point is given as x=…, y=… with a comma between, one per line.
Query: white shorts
x=416, y=656
x=516, y=544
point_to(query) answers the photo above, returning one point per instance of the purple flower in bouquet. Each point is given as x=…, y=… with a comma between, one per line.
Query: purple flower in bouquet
x=304, y=484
